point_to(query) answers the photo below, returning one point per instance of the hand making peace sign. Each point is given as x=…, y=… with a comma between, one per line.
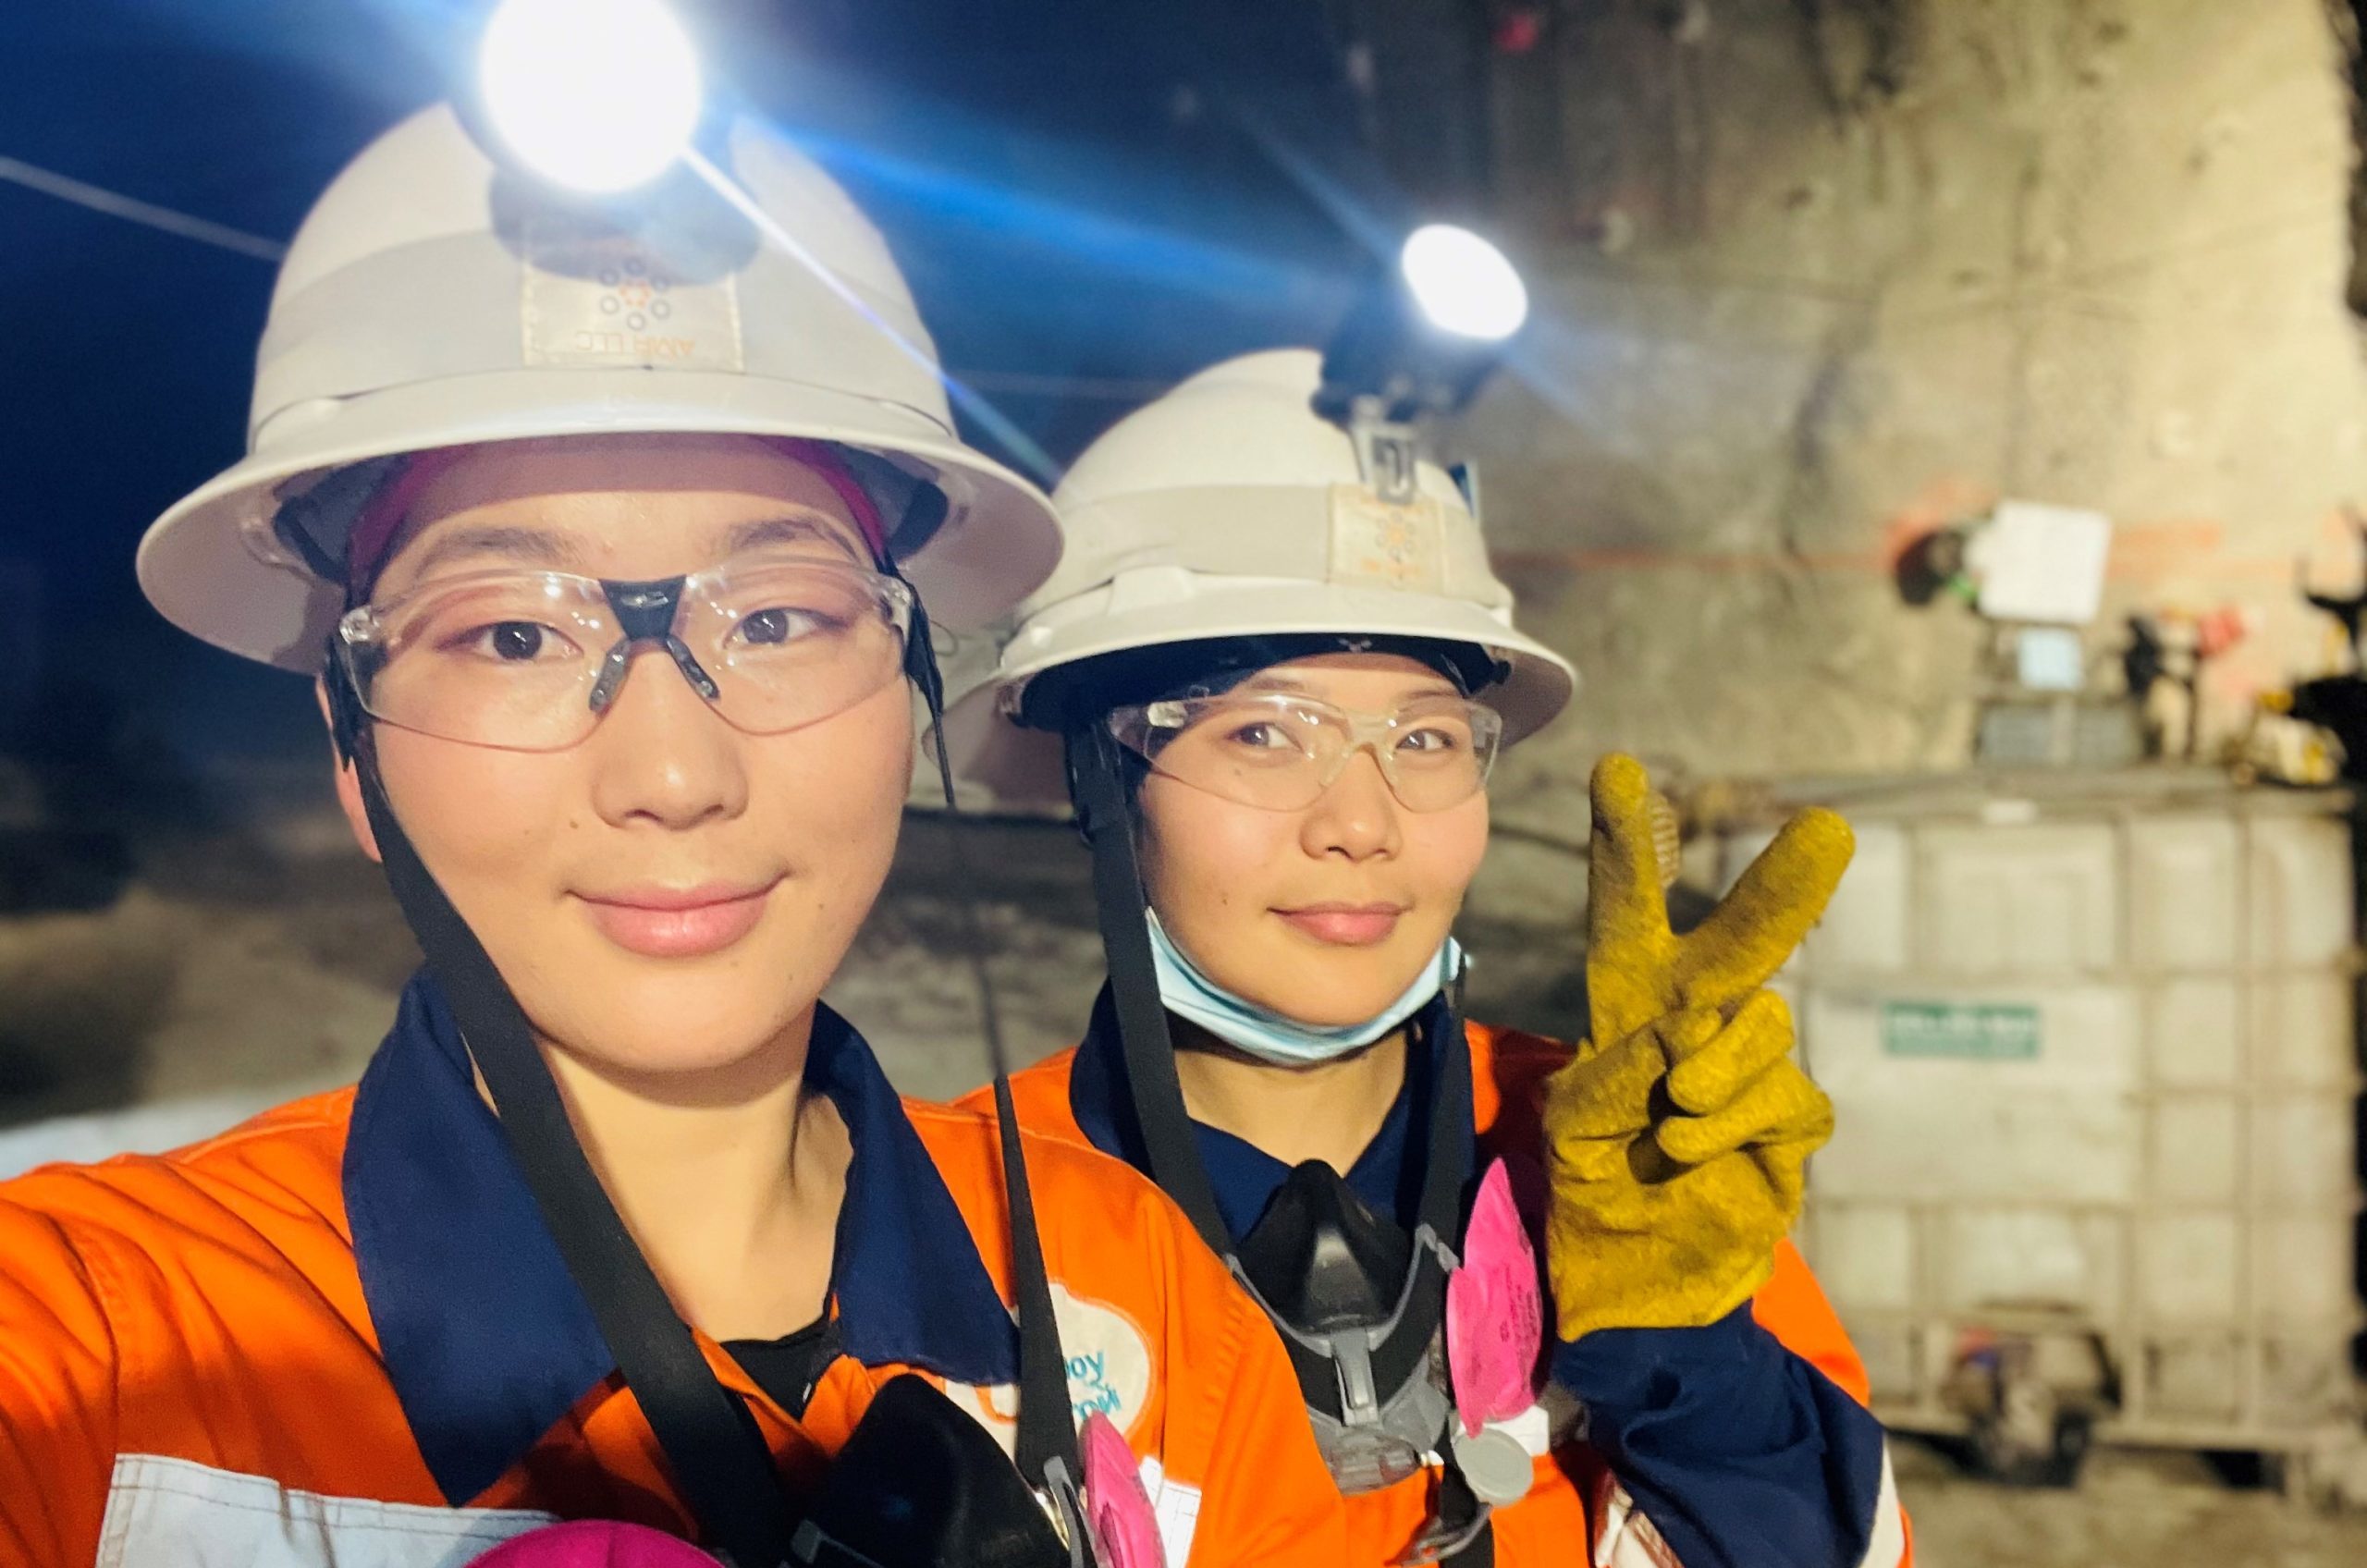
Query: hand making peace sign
x=1677, y=1141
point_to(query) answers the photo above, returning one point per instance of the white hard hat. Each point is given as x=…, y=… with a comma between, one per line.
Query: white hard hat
x=1229, y=508
x=433, y=299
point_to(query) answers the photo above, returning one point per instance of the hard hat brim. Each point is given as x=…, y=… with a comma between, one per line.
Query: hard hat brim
x=200, y=565
x=1025, y=768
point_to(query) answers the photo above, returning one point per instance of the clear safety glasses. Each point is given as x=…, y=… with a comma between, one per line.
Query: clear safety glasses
x=529, y=660
x=1280, y=752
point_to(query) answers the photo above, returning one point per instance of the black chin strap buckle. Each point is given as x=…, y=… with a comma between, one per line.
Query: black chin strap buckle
x=1065, y=1497
x=1389, y=450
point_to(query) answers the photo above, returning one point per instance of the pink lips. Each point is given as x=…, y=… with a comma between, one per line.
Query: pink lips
x=1345, y=925
x=678, y=922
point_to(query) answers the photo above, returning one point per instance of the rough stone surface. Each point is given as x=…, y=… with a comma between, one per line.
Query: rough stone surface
x=1814, y=278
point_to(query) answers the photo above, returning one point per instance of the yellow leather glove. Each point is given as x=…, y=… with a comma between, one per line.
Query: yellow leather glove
x=1677, y=1149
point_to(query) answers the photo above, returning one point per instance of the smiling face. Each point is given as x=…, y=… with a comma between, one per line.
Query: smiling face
x=1327, y=913
x=669, y=894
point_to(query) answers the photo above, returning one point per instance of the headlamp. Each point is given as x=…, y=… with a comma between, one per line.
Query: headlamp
x=597, y=96
x=1421, y=340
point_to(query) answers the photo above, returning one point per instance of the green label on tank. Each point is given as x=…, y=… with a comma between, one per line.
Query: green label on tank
x=1975, y=1031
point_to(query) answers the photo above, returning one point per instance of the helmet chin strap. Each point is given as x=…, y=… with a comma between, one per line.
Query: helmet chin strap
x=713, y=1447
x=1046, y=1448
x=1161, y=1128
x=718, y=1457
x=1156, y=1094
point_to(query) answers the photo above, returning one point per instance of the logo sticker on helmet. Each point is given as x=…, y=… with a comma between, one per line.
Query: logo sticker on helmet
x=603, y=301
x=1381, y=545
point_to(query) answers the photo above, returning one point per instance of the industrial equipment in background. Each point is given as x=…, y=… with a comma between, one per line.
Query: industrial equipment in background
x=2035, y=573
x=2333, y=704
x=2163, y=667
x=2092, y=1041
x=2046, y=694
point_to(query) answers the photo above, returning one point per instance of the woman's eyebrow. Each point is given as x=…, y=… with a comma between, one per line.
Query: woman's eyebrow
x=785, y=530
x=532, y=544
x=1290, y=686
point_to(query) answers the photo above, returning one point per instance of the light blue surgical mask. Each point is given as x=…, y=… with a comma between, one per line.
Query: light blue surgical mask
x=1266, y=1034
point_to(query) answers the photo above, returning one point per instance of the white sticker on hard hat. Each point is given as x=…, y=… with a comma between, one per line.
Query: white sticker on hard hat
x=598, y=301
x=1379, y=544
x=1109, y=1368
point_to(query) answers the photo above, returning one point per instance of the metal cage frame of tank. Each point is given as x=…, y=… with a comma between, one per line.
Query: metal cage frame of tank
x=1915, y=1348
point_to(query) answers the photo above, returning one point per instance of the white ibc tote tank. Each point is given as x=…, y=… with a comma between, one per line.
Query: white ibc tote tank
x=2092, y=1047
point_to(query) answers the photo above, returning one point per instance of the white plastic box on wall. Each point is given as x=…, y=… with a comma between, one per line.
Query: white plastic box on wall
x=2093, y=1050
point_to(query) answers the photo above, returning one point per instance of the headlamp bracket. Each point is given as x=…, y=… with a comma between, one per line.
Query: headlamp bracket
x=1389, y=449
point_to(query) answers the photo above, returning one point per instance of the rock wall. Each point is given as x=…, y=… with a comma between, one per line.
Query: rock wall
x=1817, y=276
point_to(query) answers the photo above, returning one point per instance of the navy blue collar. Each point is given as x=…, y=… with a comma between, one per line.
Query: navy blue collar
x=1387, y=1175
x=486, y=1338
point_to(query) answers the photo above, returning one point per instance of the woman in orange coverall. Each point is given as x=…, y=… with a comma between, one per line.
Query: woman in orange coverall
x=1274, y=691
x=607, y=531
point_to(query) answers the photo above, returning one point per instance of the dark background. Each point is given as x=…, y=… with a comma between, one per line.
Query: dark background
x=1087, y=198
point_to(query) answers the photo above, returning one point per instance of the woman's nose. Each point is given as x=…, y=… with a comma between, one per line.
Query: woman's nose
x=661, y=755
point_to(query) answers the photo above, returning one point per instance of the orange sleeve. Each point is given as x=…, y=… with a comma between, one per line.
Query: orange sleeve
x=1793, y=1307
x=1268, y=1497
x=57, y=1393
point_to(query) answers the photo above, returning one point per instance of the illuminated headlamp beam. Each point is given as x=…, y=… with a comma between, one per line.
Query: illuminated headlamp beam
x=1463, y=285
x=995, y=422
x=598, y=96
